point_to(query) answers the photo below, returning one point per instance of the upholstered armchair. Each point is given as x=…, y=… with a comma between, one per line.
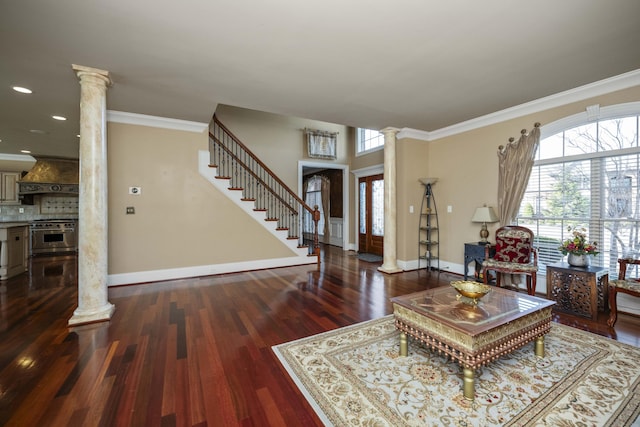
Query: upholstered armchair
x=515, y=254
x=624, y=285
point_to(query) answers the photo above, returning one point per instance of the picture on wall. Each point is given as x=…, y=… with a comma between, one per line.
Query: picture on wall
x=321, y=144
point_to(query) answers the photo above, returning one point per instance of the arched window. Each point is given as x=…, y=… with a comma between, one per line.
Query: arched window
x=586, y=174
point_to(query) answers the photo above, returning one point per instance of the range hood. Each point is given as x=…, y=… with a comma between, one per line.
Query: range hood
x=51, y=175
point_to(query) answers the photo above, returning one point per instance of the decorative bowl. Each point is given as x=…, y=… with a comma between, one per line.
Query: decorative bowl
x=471, y=290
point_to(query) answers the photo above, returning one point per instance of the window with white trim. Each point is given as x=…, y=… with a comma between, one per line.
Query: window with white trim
x=368, y=140
x=587, y=176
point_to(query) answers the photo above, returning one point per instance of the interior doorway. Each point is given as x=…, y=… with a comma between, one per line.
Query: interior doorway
x=335, y=216
x=371, y=214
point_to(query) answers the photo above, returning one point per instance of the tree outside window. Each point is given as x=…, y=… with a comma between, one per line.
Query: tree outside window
x=587, y=176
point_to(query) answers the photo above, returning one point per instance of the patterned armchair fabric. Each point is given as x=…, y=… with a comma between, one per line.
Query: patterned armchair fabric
x=513, y=245
x=515, y=254
x=624, y=285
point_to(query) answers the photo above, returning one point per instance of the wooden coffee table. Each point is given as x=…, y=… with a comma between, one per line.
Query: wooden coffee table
x=473, y=335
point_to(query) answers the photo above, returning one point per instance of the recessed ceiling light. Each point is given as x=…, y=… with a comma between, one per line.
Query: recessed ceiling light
x=25, y=151
x=59, y=117
x=22, y=89
x=38, y=131
x=78, y=135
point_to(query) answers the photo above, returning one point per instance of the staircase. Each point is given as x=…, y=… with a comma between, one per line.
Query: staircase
x=244, y=178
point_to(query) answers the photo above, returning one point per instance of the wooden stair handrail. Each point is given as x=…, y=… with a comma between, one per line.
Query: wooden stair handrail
x=258, y=161
x=252, y=173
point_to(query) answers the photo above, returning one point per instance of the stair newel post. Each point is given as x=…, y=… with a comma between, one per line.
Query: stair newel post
x=316, y=219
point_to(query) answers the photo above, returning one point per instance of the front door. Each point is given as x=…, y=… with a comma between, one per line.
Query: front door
x=371, y=208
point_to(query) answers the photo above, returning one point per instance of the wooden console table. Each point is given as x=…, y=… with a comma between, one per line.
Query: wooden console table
x=578, y=290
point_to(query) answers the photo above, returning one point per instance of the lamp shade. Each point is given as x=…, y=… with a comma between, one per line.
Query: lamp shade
x=484, y=214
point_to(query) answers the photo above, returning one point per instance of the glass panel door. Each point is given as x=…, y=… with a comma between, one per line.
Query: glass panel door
x=371, y=217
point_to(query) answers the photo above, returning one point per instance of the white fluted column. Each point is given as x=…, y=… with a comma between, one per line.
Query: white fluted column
x=93, y=304
x=389, y=260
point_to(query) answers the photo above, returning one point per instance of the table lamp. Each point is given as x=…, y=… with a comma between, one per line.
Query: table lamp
x=484, y=215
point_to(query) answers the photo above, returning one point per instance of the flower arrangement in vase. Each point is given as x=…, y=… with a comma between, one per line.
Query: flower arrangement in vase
x=578, y=248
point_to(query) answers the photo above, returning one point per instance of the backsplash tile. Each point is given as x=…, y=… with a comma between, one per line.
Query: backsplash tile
x=58, y=204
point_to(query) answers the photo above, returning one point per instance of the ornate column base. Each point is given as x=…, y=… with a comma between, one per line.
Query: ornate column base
x=81, y=317
x=390, y=269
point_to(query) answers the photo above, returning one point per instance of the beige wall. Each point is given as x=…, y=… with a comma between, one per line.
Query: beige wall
x=466, y=166
x=412, y=164
x=180, y=219
x=279, y=141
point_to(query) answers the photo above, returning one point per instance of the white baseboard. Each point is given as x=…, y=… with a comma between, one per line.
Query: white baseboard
x=205, y=270
x=444, y=265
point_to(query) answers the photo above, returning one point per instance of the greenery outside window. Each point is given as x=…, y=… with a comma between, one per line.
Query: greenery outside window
x=587, y=176
x=368, y=140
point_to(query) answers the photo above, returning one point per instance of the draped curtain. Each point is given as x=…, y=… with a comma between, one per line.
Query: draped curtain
x=325, y=192
x=515, y=162
x=322, y=185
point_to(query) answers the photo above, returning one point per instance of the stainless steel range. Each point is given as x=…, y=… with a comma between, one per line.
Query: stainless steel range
x=51, y=236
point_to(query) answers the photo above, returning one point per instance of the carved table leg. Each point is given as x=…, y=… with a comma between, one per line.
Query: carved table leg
x=539, y=347
x=613, y=315
x=469, y=383
x=403, y=344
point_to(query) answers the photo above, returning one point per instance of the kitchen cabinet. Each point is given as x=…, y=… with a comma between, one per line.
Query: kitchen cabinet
x=9, y=188
x=14, y=249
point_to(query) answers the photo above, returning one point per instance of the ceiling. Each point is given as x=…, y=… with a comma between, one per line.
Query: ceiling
x=409, y=64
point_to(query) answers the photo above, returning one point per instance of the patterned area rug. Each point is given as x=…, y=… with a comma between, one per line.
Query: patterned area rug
x=353, y=376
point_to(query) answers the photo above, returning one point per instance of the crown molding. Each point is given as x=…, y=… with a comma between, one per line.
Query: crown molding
x=421, y=135
x=591, y=90
x=155, y=121
x=17, y=157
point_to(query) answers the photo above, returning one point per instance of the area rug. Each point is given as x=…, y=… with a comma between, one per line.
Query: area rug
x=353, y=376
x=369, y=257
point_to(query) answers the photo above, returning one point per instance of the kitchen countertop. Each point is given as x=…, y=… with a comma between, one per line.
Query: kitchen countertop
x=14, y=224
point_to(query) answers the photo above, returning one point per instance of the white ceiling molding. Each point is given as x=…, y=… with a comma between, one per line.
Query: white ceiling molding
x=17, y=157
x=602, y=87
x=421, y=135
x=368, y=171
x=156, y=122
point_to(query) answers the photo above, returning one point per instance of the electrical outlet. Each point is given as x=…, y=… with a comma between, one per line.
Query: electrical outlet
x=20, y=210
x=131, y=210
x=411, y=209
x=449, y=209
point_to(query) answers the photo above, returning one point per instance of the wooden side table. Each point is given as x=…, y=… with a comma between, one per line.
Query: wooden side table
x=475, y=252
x=578, y=290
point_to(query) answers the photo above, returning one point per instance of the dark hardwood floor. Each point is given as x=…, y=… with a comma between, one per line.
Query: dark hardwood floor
x=194, y=352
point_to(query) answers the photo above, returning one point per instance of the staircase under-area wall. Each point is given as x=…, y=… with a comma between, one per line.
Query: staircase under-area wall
x=237, y=173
